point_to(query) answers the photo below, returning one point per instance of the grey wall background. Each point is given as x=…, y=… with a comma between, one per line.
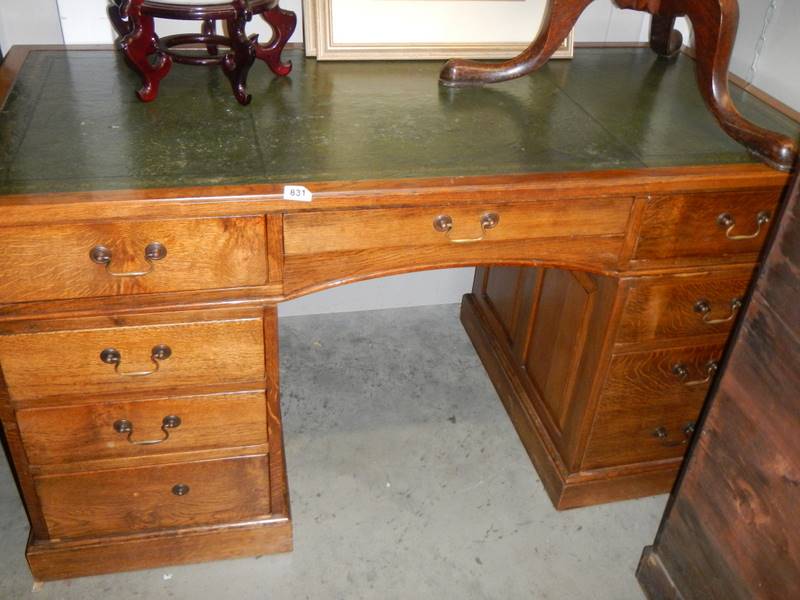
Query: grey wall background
x=767, y=54
x=29, y=22
x=771, y=62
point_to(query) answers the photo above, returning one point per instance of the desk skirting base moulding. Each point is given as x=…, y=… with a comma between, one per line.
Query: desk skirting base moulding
x=147, y=267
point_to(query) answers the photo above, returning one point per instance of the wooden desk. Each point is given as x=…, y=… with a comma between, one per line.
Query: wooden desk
x=144, y=257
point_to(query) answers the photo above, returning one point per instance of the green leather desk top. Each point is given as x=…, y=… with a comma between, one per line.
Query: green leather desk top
x=72, y=123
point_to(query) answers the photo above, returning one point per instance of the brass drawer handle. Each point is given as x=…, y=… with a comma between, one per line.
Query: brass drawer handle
x=662, y=434
x=728, y=223
x=703, y=308
x=180, y=489
x=167, y=423
x=153, y=252
x=111, y=356
x=681, y=371
x=444, y=224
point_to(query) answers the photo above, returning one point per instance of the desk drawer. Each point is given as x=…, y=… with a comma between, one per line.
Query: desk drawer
x=85, y=432
x=147, y=353
x=451, y=229
x=52, y=262
x=647, y=402
x=177, y=495
x=713, y=226
x=674, y=307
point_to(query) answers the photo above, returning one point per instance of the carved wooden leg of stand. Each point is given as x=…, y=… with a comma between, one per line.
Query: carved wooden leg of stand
x=139, y=45
x=121, y=25
x=241, y=57
x=210, y=28
x=559, y=19
x=665, y=40
x=714, y=23
x=283, y=23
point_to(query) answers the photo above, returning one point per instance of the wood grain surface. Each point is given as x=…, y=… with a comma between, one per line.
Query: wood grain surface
x=49, y=561
x=235, y=248
x=52, y=262
x=312, y=272
x=500, y=286
x=664, y=308
x=86, y=431
x=130, y=500
x=686, y=225
x=730, y=531
x=566, y=487
x=311, y=233
x=641, y=394
x=557, y=340
x=67, y=362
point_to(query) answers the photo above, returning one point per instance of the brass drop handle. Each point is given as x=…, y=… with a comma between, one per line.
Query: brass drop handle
x=681, y=371
x=444, y=224
x=153, y=252
x=167, y=423
x=703, y=308
x=111, y=356
x=662, y=434
x=728, y=223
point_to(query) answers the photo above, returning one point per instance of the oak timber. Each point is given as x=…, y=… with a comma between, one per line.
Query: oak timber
x=615, y=221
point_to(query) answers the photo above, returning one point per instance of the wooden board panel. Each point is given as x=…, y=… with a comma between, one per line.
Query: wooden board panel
x=643, y=394
x=305, y=273
x=341, y=231
x=566, y=490
x=52, y=262
x=52, y=363
x=667, y=308
x=502, y=294
x=130, y=500
x=115, y=554
x=558, y=339
x=86, y=432
x=560, y=348
x=686, y=225
x=730, y=532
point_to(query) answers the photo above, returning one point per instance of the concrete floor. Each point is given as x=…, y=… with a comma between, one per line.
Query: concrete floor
x=407, y=481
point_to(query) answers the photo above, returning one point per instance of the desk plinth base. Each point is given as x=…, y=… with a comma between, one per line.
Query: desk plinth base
x=566, y=490
x=63, y=560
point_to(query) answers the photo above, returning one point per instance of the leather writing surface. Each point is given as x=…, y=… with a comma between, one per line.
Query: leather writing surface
x=72, y=123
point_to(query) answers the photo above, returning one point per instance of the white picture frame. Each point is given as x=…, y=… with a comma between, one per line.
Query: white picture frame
x=408, y=29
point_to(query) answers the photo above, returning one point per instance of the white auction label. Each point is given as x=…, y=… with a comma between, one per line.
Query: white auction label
x=298, y=193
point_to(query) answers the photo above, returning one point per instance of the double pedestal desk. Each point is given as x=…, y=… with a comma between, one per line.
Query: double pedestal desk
x=145, y=248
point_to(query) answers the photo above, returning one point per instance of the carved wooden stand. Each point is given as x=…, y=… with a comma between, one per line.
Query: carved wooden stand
x=714, y=22
x=152, y=57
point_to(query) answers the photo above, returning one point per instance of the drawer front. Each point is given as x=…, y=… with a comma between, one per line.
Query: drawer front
x=647, y=402
x=132, y=358
x=127, y=429
x=706, y=225
x=133, y=257
x=673, y=308
x=447, y=227
x=177, y=495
